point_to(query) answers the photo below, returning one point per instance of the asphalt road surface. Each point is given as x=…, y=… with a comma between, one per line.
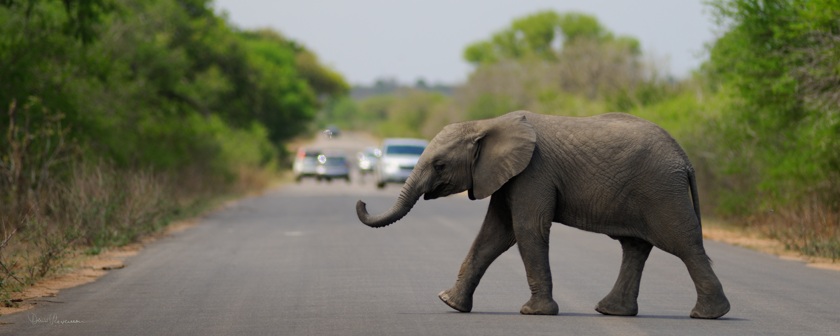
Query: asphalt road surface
x=297, y=261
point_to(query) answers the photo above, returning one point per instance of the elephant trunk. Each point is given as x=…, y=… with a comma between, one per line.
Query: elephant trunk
x=410, y=193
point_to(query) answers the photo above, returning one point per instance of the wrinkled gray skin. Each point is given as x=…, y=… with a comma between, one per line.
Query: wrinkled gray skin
x=614, y=174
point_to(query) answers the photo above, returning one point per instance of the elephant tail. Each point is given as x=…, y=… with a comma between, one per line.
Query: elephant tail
x=692, y=184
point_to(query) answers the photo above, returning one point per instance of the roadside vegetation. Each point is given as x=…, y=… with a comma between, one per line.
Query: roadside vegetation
x=120, y=116
x=760, y=118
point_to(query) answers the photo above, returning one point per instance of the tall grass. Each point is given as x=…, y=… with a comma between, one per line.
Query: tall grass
x=98, y=207
x=810, y=228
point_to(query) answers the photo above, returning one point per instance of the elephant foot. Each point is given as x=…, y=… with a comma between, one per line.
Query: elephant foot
x=609, y=306
x=710, y=307
x=540, y=306
x=457, y=302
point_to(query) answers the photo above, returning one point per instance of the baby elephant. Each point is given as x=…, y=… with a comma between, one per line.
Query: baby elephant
x=614, y=174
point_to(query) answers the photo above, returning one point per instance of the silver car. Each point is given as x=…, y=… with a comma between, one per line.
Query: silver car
x=305, y=164
x=332, y=166
x=366, y=160
x=399, y=156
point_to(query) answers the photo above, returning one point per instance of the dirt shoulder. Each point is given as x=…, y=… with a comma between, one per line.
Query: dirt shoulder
x=81, y=269
x=753, y=241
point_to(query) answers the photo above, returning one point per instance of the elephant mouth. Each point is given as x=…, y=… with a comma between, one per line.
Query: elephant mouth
x=430, y=195
x=444, y=190
x=437, y=192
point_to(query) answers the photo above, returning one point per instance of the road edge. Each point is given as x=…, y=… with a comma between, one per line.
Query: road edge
x=755, y=242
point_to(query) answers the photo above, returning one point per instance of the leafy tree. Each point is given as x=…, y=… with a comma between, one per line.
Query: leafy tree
x=566, y=63
x=40, y=60
x=778, y=60
x=324, y=81
x=542, y=35
x=81, y=16
x=133, y=74
x=293, y=78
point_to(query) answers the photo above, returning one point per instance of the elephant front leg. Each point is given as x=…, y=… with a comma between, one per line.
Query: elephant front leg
x=533, y=247
x=495, y=237
x=622, y=299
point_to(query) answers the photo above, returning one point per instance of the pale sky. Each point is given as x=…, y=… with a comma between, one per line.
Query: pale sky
x=406, y=40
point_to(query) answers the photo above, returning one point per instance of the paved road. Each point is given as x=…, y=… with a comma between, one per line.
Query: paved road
x=296, y=261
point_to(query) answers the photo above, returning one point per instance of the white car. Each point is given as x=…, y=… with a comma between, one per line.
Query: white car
x=399, y=156
x=366, y=160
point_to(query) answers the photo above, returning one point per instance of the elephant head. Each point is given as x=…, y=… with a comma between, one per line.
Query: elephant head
x=475, y=156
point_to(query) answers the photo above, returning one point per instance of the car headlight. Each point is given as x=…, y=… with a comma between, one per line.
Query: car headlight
x=391, y=167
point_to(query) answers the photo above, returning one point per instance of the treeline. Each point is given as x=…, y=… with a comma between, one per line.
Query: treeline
x=759, y=118
x=775, y=75
x=118, y=115
x=387, y=86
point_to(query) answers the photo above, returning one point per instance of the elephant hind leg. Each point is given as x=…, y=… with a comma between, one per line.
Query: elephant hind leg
x=676, y=230
x=711, y=301
x=495, y=237
x=622, y=299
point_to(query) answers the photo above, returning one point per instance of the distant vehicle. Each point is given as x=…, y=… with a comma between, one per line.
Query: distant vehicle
x=366, y=160
x=305, y=164
x=332, y=166
x=332, y=132
x=399, y=156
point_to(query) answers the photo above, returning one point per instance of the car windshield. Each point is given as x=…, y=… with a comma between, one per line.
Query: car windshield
x=308, y=154
x=405, y=150
x=335, y=161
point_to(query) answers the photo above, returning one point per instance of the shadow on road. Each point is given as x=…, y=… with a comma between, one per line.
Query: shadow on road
x=593, y=315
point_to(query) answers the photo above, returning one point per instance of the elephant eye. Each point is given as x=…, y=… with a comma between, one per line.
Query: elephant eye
x=439, y=167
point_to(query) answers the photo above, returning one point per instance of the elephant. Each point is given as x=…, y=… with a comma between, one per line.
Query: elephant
x=614, y=174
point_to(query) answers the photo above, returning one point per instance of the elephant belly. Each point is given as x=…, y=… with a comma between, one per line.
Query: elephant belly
x=614, y=225
x=615, y=207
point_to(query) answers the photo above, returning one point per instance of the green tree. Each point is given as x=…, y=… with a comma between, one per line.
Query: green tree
x=542, y=35
x=778, y=59
x=293, y=80
x=81, y=16
x=565, y=63
x=135, y=72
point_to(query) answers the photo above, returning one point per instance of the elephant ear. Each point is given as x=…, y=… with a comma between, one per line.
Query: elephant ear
x=504, y=146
